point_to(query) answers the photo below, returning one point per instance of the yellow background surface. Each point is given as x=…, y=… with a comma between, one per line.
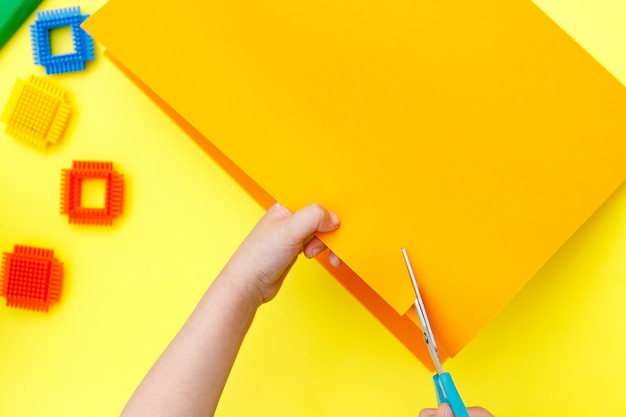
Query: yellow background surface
x=314, y=351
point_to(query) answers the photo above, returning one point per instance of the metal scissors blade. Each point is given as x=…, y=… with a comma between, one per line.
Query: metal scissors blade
x=444, y=386
x=423, y=317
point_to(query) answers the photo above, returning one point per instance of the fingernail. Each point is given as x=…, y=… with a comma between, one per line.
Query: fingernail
x=315, y=251
x=446, y=410
x=334, y=219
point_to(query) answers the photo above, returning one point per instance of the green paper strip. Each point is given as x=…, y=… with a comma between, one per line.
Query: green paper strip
x=14, y=13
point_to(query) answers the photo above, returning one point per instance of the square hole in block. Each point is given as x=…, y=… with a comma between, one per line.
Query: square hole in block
x=61, y=41
x=93, y=193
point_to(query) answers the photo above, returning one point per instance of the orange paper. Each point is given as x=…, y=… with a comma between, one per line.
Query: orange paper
x=476, y=134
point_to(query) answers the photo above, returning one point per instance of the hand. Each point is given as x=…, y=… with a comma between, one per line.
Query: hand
x=444, y=410
x=267, y=254
x=196, y=364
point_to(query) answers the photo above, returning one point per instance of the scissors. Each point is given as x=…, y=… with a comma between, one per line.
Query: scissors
x=444, y=386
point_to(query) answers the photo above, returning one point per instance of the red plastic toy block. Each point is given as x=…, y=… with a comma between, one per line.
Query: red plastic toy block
x=71, y=192
x=31, y=278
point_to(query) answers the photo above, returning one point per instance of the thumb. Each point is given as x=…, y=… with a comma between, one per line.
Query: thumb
x=311, y=219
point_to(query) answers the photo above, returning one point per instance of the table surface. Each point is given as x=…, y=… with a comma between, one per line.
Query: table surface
x=555, y=349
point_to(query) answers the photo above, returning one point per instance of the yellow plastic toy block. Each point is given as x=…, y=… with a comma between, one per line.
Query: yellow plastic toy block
x=37, y=112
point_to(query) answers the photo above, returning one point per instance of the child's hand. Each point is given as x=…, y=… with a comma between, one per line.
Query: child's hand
x=266, y=255
x=444, y=410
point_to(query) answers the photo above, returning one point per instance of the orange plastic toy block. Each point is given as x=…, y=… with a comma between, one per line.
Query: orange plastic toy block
x=71, y=193
x=37, y=112
x=31, y=278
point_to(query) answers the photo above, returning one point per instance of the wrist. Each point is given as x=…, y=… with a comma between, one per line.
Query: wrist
x=242, y=287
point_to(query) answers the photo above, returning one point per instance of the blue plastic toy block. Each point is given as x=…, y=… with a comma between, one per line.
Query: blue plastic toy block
x=40, y=38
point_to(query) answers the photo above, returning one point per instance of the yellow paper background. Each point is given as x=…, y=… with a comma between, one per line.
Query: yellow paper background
x=555, y=350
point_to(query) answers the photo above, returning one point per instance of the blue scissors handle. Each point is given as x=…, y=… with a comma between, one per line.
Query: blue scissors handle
x=447, y=393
